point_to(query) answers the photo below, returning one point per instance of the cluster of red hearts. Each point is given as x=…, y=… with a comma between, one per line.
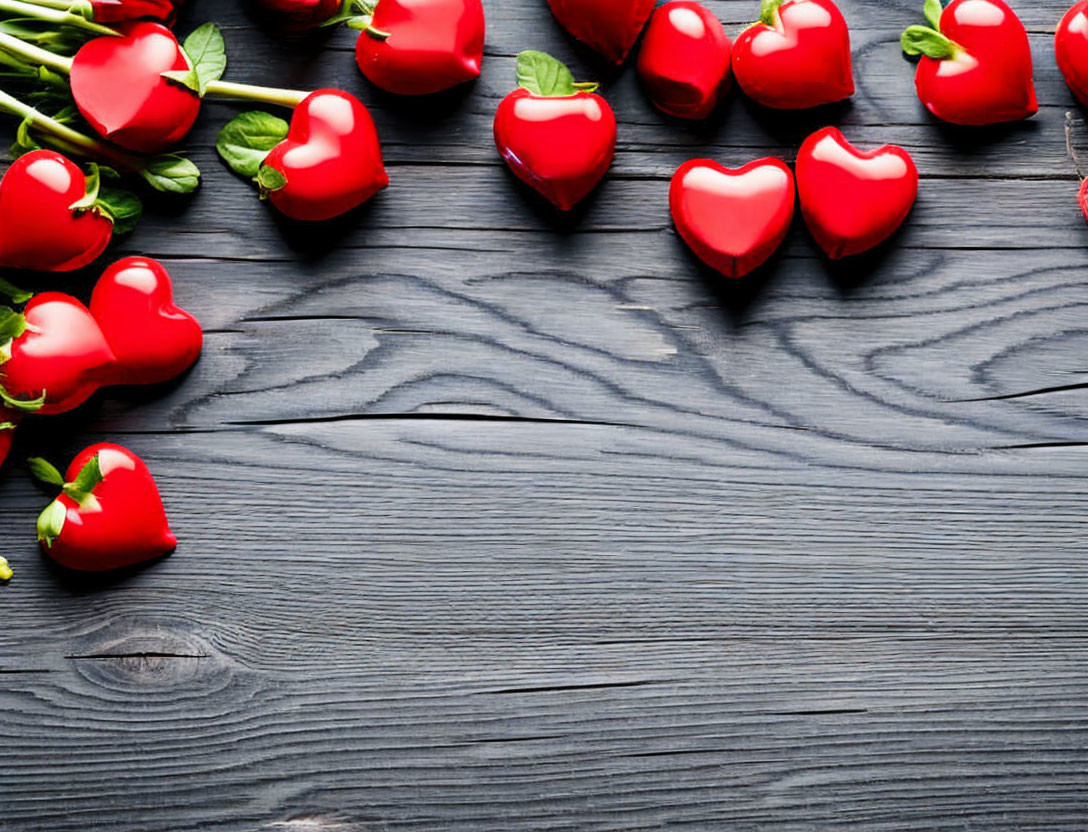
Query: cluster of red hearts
x=109, y=81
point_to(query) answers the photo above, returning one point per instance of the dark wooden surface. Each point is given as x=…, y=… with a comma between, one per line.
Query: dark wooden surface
x=496, y=521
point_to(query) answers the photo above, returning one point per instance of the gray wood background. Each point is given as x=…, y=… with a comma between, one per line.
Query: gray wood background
x=497, y=521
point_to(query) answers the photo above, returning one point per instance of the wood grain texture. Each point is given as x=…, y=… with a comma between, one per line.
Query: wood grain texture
x=493, y=520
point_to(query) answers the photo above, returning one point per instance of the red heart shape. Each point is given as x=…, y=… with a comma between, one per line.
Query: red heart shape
x=684, y=60
x=802, y=60
x=62, y=353
x=38, y=228
x=559, y=145
x=118, y=86
x=732, y=219
x=989, y=79
x=331, y=158
x=120, y=523
x=853, y=200
x=152, y=339
x=117, y=11
x=610, y=27
x=432, y=45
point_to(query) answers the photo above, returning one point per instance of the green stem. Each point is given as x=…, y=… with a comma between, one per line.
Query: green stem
x=247, y=92
x=35, y=54
x=64, y=136
x=60, y=17
x=769, y=11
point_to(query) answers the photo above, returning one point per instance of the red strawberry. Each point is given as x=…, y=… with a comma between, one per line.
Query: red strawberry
x=732, y=219
x=42, y=225
x=853, y=200
x=118, y=86
x=419, y=47
x=684, y=60
x=53, y=357
x=109, y=515
x=152, y=339
x=976, y=63
x=610, y=27
x=556, y=136
x=797, y=55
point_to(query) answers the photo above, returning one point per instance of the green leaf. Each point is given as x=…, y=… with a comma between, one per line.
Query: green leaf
x=245, y=141
x=188, y=78
x=24, y=142
x=90, y=195
x=171, y=173
x=122, y=207
x=12, y=324
x=45, y=471
x=542, y=74
x=933, y=12
x=86, y=481
x=921, y=40
x=16, y=294
x=51, y=523
x=207, y=53
x=269, y=179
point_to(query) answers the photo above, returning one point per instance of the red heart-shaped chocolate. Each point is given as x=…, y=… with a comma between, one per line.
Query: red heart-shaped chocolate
x=118, y=86
x=331, y=159
x=853, y=200
x=432, y=45
x=119, y=522
x=732, y=219
x=39, y=229
x=62, y=354
x=559, y=145
x=1071, y=49
x=987, y=78
x=796, y=57
x=610, y=27
x=152, y=339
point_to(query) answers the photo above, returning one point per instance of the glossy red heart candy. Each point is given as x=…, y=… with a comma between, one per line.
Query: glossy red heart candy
x=684, y=59
x=432, y=45
x=39, y=229
x=559, y=145
x=152, y=339
x=118, y=87
x=797, y=56
x=331, y=158
x=119, y=522
x=853, y=200
x=1071, y=48
x=977, y=69
x=732, y=219
x=62, y=353
x=610, y=27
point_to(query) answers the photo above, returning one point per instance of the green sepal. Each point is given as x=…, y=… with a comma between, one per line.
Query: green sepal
x=22, y=405
x=351, y=10
x=206, y=52
x=541, y=74
x=246, y=140
x=16, y=294
x=768, y=11
x=51, y=523
x=90, y=194
x=7, y=426
x=921, y=40
x=86, y=481
x=24, y=142
x=45, y=471
x=269, y=179
x=933, y=11
x=12, y=324
x=171, y=173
